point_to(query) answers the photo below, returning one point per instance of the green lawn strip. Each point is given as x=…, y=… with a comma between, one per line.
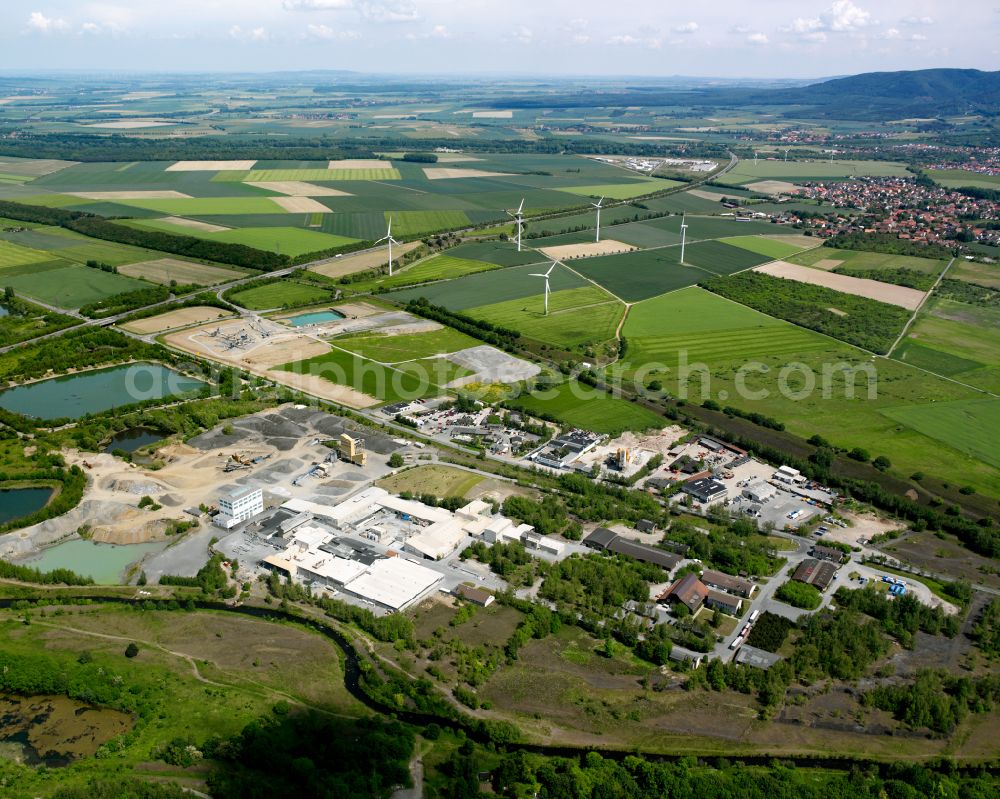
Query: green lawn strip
x=16, y=255
x=576, y=316
x=582, y=406
x=623, y=191
x=498, y=285
x=406, y=347
x=855, y=260
x=718, y=338
x=347, y=369
x=957, y=178
x=286, y=240
x=282, y=293
x=438, y=267
x=970, y=426
x=747, y=171
x=763, y=246
x=414, y=223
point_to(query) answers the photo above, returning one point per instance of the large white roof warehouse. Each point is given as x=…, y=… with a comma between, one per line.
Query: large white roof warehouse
x=394, y=583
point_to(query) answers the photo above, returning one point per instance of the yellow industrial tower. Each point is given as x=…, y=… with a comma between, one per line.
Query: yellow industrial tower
x=352, y=450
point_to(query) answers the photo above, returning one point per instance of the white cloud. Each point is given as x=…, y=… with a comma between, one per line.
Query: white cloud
x=757, y=38
x=841, y=17
x=891, y=33
x=628, y=40
x=577, y=30
x=918, y=37
x=740, y=29
x=316, y=5
x=687, y=27
x=911, y=21
x=522, y=35
x=258, y=34
x=440, y=32
x=39, y=23
x=325, y=32
x=90, y=28
x=403, y=11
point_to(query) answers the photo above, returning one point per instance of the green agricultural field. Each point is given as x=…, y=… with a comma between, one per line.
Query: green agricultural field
x=500, y=253
x=72, y=285
x=981, y=274
x=347, y=369
x=414, y=223
x=579, y=316
x=957, y=178
x=311, y=175
x=623, y=191
x=581, y=406
x=209, y=206
x=280, y=294
x=498, y=285
x=955, y=340
x=746, y=172
x=438, y=267
x=15, y=255
x=286, y=240
x=970, y=426
x=441, y=481
x=824, y=257
x=772, y=248
x=717, y=338
x=290, y=241
x=642, y=274
x=406, y=347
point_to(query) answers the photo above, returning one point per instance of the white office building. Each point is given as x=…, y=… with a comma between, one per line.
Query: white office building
x=238, y=506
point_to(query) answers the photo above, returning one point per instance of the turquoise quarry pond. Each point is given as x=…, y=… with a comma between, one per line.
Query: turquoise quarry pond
x=73, y=396
x=103, y=562
x=314, y=318
x=17, y=502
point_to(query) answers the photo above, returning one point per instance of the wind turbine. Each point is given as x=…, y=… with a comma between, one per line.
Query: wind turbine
x=786, y=152
x=390, y=240
x=684, y=230
x=518, y=217
x=597, y=205
x=755, y=158
x=546, y=276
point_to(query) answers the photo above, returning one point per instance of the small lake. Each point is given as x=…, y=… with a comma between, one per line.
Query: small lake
x=314, y=318
x=17, y=502
x=134, y=438
x=72, y=396
x=104, y=563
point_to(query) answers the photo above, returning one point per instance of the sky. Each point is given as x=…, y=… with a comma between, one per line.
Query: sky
x=725, y=38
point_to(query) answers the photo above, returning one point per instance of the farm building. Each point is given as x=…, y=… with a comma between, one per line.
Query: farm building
x=705, y=490
x=645, y=526
x=600, y=538
x=679, y=654
x=728, y=583
x=727, y=603
x=688, y=590
x=819, y=573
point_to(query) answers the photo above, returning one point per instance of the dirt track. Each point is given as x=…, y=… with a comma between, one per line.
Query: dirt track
x=350, y=264
x=179, y=318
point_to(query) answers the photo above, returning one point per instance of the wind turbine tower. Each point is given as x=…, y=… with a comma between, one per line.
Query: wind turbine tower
x=390, y=241
x=755, y=158
x=597, y=205
x=684, y=230
x=546, y=276
x=518, y=217
x=786, y=152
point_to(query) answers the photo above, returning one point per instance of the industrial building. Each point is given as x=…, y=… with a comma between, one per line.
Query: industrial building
x=831, y=554
x=605, y=540
x=478, y=596
x=758, y=658
x=688, y=590
x=760, y=492
x=786, y=474
x=352, y=450
x=727, y=603
x=705, y=490
x=238, y=506
x=819, y=573
x=726, y=582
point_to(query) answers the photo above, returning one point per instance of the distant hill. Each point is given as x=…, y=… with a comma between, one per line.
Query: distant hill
x=887, y=95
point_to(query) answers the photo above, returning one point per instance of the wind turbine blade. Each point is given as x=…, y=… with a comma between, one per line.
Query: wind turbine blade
x=536, y=274
x=520, y=208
